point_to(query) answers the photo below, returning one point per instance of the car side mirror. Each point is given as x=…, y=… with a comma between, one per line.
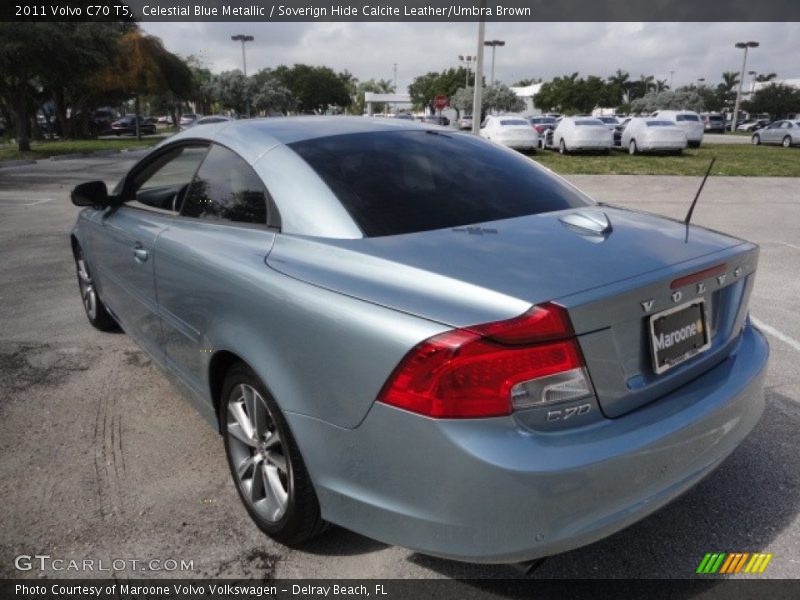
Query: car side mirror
x=91, y=193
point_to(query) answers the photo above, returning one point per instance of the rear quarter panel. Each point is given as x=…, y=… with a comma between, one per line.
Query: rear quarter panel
x=321, y=353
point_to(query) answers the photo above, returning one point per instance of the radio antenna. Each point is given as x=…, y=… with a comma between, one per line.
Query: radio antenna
x=697, y=195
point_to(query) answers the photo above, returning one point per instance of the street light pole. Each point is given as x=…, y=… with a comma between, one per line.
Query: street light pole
x=671, y=76
x=752, y=81
x=244, y=38
x=493, y=44
x=467, y=59
x=477, y=98
x=745, y=46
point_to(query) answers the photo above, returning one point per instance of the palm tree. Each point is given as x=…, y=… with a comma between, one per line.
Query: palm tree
x=661, y=85
x=762, y=78
x=730, y=79
x=619, y=81
x=385, y=86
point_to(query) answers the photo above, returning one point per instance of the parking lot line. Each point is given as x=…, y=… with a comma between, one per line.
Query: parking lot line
x=776, y=334
x=38, y=202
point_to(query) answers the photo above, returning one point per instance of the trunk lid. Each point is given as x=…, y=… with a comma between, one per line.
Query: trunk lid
x=476, y=274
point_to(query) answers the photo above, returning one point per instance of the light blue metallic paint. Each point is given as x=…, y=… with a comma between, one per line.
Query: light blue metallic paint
x=324, y=316
x=493, y=491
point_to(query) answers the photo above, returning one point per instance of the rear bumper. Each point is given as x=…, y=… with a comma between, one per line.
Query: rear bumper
x=590, y=144
x=519, y=143
x=492, y=491
x=662, y=145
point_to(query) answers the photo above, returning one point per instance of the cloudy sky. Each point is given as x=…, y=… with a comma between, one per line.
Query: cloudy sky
x=691, y=50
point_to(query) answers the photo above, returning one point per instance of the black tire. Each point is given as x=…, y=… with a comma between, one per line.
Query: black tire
x=694, y=144
x=96, y=311
x=300, y=518
x=562, y=147
x=787, y=142
x=632, y=148
x=755, y=140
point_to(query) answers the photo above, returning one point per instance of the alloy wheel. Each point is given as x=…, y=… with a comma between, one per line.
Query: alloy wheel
x=88, y=293
x=262, y=470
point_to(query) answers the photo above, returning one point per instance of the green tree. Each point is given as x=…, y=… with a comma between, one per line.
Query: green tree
x=527, y=81
x=143, y=67
x=316, y=89
x=500, y=98
x=618, y=86
x=52, y=61
x=777, y=100
x=684, y=99
x=270, y=95
x=726, y=90
x=571, y=94
x=424, y=89
x=231, y=90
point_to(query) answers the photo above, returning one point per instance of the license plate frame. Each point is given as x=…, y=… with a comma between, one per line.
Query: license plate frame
x=665, y=358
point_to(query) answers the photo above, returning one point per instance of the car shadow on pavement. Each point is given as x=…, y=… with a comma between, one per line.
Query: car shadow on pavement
x=337, y=541
x=741, y=507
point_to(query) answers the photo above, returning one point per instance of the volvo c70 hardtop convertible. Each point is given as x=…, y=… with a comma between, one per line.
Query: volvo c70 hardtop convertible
x=425, y=337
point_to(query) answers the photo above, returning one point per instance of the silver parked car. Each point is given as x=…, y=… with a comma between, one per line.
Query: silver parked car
x=477, y=362
x=784, y=133
x=510, y=130
x=650, y=134
x=688, y=120
x=582, y=133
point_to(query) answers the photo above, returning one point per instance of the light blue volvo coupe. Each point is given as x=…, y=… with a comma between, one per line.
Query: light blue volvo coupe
x=422, y=336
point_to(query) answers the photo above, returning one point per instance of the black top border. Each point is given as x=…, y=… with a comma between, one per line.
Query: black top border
x=255, y=11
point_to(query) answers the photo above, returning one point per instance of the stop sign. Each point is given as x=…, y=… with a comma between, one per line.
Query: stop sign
x=440, y=102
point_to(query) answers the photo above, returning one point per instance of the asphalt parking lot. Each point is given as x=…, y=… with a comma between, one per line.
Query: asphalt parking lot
x=100, y=457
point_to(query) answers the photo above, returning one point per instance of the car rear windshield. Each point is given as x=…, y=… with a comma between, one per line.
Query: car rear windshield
x=659, y=124
x=715, y=118
x=687, y=118
x=594, y=122
x=514, y=122
x=407, y=181
x=543, y=120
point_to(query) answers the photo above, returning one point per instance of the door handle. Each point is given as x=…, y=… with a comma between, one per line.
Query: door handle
x=139, y=253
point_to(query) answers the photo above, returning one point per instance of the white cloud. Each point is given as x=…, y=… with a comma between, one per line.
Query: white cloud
x=545, y=50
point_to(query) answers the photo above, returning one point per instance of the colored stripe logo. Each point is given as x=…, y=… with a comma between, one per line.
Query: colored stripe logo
x=732, y=563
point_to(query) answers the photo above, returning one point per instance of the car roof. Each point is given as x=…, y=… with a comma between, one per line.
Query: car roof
x=250, y=138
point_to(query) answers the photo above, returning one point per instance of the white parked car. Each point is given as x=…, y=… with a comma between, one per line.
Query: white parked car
x=650, y=134
x=511, y=131
x=688, y=120
x=582, y=133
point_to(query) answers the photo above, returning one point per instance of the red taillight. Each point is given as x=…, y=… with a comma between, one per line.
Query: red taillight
x=539, y=128
x=470, y=372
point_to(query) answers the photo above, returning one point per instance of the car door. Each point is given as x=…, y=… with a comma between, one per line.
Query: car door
x=771, y=133
x=227, y=224
x=124, y=237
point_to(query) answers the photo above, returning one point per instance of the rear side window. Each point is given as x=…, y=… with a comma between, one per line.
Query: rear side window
x=687, y=118
x=227, y=188
x=407, y=181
